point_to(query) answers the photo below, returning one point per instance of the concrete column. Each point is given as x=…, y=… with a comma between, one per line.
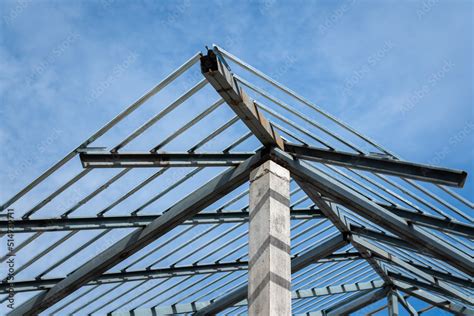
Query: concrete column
x=269, y=290
x=392, y=304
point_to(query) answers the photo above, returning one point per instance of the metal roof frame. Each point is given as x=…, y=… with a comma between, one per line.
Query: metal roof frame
x=359, y=218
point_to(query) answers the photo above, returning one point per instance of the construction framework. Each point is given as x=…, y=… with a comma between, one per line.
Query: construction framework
x=165, y=231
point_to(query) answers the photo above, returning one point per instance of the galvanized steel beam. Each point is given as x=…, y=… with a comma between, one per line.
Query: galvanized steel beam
x=155, y=159
x=441, y=275
x=110, y=222
x=430, y=286
x=333, y=214
x=392, y=303
x=385, y=238
x=446, y=225
x=317, y=109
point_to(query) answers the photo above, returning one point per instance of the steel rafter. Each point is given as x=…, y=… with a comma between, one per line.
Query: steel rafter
x=316, y=109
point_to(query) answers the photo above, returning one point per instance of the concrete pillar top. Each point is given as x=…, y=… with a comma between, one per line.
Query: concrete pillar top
x=270, y=166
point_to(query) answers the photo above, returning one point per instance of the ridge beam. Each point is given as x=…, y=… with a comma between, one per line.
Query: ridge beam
x=222, y=79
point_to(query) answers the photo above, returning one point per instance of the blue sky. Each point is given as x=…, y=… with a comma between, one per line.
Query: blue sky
x=399, y=72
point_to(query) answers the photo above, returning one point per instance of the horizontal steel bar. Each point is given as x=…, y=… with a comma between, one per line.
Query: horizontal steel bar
x=395, y=167
x=141, y=159
x=174, y=271
x=386, y=238
x=133, y=275
x=107, y=222
x=427, y=220
x=297, y=263
x=338, y=289
x=298, y=294
x=425, y=309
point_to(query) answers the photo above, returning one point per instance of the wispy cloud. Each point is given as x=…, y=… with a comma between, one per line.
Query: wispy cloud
x=399, y=72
